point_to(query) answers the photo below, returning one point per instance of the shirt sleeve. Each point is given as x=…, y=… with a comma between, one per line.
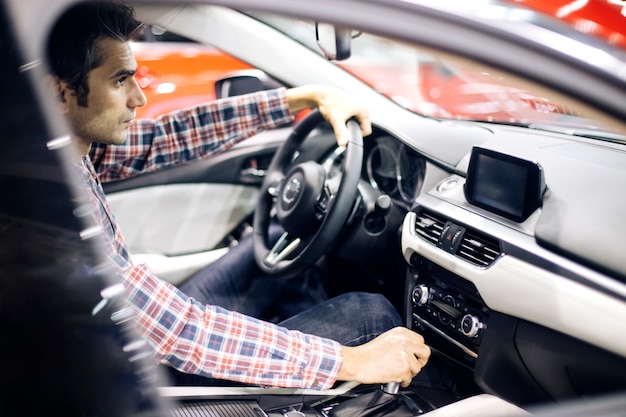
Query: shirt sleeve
x=214, y=342
x=188, y=134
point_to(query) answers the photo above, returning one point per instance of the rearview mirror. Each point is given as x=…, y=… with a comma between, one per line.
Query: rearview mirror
x=333, y=41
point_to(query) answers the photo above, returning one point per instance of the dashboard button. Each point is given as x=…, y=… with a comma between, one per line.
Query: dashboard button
x=420, y=295
x=470, y=325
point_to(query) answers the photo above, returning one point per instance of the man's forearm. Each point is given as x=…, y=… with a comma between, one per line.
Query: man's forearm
x=305, y=97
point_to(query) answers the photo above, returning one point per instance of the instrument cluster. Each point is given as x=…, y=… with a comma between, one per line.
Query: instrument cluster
x=394, y=169
x=389, y=166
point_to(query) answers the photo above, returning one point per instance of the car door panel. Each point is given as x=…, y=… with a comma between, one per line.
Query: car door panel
x=177, y=229
x=179, y=220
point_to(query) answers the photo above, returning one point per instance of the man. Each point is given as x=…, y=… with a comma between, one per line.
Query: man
x=93, y=76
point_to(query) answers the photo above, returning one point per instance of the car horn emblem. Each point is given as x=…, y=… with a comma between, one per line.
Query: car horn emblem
x=291, y=191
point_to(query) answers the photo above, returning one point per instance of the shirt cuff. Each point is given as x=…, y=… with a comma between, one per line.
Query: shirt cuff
x=326, y=361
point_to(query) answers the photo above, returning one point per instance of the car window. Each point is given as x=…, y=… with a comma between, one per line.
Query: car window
x=435, y=86
x=174, y=71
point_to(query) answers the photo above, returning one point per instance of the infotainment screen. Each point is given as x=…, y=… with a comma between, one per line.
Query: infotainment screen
x=503, y=184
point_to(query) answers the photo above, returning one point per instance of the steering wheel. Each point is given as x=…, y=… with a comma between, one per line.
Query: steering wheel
x=310, y=209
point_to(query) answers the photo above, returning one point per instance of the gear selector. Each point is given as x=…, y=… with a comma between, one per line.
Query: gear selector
x=391, y=388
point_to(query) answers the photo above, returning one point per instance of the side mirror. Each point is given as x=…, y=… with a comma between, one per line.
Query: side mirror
x=244, y=82
x=333, y=41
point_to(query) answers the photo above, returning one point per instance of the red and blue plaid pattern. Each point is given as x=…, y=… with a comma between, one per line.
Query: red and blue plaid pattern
x=189, y=134
x=194, y=338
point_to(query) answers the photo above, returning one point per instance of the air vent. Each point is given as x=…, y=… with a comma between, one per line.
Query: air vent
x=429, y=226
x=470, y=245
x=478, y=248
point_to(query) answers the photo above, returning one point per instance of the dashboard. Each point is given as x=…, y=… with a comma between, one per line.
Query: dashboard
x=497, y=294
x=489, y=292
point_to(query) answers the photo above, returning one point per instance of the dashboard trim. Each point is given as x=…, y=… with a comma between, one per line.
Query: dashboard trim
x=516, y=237
x=515, y=287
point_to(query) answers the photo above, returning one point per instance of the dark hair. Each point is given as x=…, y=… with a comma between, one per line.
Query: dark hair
x=72, y=49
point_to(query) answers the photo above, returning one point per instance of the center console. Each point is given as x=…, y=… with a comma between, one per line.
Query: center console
x=447, y=310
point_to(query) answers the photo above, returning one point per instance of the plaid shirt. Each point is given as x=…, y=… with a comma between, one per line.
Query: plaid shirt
x=195, y=338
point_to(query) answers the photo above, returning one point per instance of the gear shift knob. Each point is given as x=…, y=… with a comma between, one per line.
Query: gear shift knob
x=391, y=388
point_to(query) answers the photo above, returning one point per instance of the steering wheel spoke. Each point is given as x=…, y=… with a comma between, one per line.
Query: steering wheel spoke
x=283, y=247
x=273, y=190
x=332, y=184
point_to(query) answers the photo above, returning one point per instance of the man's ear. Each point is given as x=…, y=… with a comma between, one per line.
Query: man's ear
x=58, y=90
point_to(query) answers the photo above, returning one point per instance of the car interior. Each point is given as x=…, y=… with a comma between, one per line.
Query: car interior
x=500, y=243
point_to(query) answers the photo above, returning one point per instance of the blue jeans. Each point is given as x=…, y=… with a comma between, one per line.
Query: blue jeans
x=351, y=319
x=236, y=283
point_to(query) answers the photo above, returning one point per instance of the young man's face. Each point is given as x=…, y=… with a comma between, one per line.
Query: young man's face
x=113, y=96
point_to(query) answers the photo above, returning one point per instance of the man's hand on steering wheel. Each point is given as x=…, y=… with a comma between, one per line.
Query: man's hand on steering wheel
x=335, y=106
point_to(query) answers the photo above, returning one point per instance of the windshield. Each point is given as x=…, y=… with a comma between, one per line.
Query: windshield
x=435, y=86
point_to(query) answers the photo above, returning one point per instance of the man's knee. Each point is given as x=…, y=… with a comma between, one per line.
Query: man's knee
x=370, y=300
x=371, y=303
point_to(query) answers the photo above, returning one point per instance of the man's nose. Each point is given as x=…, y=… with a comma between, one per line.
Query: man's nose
x=137, y=97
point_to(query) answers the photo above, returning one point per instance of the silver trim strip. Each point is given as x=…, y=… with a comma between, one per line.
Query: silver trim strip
x=182, y=392
x=276, y=254
x=445, y=336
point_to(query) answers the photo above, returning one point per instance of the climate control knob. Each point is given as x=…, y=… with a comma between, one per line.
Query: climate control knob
x=471, y=325
x=420, y=295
